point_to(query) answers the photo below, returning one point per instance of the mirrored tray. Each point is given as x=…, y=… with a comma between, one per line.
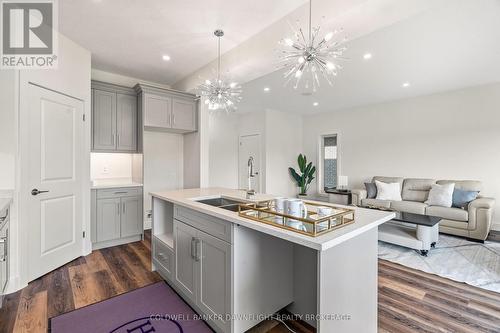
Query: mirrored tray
x=312, y=224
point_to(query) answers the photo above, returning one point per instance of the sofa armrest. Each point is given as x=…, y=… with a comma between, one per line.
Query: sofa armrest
x=480, y=216
x=482, y=202
x=357, y=196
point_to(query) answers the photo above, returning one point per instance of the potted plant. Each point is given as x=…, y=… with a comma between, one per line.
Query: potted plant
x=306, y=175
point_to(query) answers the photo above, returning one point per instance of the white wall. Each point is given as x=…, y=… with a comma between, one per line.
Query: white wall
x=281, y=142
x=163, y=163
x=283, y=145
x=8, y=128
x=453, y=135
x=121, y=80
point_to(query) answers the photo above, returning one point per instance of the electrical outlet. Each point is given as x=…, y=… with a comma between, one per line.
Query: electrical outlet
x=105, y=170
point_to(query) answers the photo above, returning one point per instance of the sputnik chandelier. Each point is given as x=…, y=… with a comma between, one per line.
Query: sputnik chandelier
x=306, y=58
x=219, y=93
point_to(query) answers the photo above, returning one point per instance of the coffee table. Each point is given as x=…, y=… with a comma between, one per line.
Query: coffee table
x=415, y=231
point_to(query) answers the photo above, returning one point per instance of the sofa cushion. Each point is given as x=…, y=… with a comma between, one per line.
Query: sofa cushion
x=388, y=191
x=371, y=190
x=417, y=189
x=409, y=207
x=389, y=180
x=376, y=203
x=466, y=185
x=461, y=198
x=455, y=214
x=441, y=195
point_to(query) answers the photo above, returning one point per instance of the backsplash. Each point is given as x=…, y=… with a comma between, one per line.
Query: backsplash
x=105, y=165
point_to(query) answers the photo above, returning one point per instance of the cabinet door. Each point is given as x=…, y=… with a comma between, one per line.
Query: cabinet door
x=131, y=223
x=104, y=120
x=186, y=276
x=157, y=111
x=108, y=219
x=215, y=279
x=126, y=122
x=184, y=114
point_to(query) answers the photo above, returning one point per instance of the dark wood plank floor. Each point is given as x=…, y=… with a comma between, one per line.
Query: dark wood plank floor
x=409, y=300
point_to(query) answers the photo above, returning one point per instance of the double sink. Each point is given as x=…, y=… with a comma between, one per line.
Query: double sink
x=227, y=204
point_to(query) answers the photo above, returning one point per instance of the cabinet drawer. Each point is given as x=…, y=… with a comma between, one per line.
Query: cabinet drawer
x=209, y=224
x=163, y=256
x=119, y=192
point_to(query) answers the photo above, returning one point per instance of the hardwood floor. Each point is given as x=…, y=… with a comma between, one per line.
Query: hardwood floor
x=409, y=300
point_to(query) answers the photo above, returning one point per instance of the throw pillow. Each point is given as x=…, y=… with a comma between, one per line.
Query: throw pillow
x=462, y=198
x=371, y=190
x=388, y=191
x=441, y=195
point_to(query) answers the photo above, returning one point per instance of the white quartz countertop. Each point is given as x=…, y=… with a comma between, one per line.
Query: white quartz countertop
x=365, y=219
x=113, y=183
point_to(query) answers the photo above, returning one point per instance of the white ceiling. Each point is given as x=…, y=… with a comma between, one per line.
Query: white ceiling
x=129, y=37
x=452, y=45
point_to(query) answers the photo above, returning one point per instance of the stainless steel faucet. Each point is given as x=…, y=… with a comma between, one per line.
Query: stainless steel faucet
x=251, y=175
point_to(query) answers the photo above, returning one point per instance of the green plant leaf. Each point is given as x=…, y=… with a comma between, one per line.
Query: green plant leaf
x=295, y=175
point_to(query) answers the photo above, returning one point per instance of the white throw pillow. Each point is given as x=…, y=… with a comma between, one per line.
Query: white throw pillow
x=441, y=195
x=388, y=191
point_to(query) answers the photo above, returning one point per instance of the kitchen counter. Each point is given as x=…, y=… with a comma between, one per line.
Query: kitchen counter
x=113, y=183
x=365, y=219
x=263, y=268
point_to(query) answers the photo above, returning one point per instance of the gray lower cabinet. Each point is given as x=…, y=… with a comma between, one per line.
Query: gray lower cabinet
x=108, y=219
x=203, y=272
x=115, y=118
x=117, y=216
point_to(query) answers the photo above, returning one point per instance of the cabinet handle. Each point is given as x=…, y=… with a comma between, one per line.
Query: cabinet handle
x=198, y=250
x=118, y=140
x=193, y=247
x=3, y=241
x=173, y=119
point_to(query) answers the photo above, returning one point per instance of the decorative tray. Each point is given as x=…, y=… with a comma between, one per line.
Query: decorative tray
x=311, y=225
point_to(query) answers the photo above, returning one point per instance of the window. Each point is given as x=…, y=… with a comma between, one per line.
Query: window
x=329, y=162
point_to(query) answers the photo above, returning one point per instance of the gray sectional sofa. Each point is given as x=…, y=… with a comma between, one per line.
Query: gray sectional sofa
x=473, y=222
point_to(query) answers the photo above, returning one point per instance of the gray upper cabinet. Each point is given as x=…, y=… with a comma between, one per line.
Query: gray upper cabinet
x=126, y=122
x=115, y=118
x=184, y=114
x=157, y=111
x=104, y=120
x=167, y=110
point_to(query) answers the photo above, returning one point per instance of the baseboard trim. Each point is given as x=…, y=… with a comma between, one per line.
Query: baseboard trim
x=495, y=226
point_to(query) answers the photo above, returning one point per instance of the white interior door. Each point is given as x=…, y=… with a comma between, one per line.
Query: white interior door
x=249, y=146
x=56, y=137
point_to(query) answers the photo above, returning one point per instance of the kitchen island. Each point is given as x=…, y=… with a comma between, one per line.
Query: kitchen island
x=235, y=272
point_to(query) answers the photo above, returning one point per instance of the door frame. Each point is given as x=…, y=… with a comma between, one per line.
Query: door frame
x=261, y=168
x=24, y=187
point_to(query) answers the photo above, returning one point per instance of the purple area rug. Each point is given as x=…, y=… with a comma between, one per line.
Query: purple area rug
x=155, y=308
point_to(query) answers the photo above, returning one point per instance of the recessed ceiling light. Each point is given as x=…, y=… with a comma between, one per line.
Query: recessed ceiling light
x=367, y=56
x=266, y=89
x=406, y=84
x=315, y=103
x=166, y=57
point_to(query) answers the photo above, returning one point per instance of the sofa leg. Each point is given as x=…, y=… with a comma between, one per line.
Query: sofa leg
x=480, y=241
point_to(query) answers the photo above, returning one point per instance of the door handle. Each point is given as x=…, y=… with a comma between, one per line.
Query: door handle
x=3, y=241
x=193, y=248
x=37, y=192
x=197, y=250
